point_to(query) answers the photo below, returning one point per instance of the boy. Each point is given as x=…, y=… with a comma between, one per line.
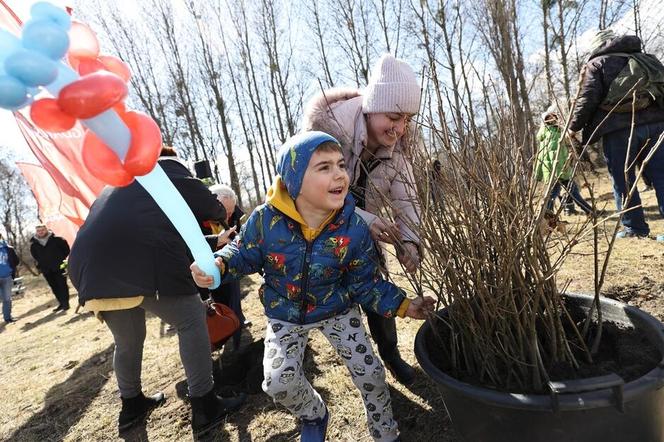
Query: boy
x=319, y=262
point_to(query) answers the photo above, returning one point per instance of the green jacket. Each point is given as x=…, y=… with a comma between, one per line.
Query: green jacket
x=548, y=138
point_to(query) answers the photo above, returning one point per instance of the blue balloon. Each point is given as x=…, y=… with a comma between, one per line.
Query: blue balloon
x=31, y=68
x=111, y=129
x=9, y=43
x=28, y=101
x=162, y=190
x=13, y=94
x=65, y=76
x=45, y=37
x=52, y=12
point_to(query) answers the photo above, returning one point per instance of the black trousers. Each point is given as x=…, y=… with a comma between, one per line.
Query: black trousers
x=58, y=283
x=384, y=333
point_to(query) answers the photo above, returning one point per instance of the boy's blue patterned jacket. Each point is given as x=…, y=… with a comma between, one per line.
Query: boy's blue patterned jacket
x=308, y=281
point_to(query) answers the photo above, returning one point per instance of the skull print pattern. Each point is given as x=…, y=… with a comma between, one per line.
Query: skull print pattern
x=285, y=381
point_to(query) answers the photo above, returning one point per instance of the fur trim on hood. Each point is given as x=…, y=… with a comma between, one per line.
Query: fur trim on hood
x=317, y=115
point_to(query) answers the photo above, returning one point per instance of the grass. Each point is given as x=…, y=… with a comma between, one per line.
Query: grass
x=58, y=382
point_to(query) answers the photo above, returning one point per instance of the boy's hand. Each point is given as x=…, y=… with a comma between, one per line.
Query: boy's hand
x=201, y=278
x=420, y=307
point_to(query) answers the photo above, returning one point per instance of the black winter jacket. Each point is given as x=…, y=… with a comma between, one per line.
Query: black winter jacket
x=49, y=257
x=128, y=247
x=601, y=70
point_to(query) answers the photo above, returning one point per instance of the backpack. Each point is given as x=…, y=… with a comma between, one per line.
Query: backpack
x=643, y=75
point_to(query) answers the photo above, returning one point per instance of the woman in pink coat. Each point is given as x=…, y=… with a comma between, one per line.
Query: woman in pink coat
x=375, y=130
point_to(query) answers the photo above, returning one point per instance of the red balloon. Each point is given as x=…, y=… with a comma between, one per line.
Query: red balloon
x=145, y=143
x=116, y=66
x=87, y=65
x=92, y=94
x=120, y=109
x=73, y=61
x=102, y=162
x=46, y=114
x=82, y=41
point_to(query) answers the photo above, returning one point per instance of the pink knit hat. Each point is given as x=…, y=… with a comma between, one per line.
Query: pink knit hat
x=393, y=87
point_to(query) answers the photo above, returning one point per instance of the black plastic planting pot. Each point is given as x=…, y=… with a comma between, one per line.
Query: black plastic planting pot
x=603, y=409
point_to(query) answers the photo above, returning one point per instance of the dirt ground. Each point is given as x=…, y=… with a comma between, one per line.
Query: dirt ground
x=58, y=382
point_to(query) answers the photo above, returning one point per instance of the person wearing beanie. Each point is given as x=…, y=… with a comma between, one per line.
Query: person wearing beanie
x=377, y=135
x=316, y=280
x=599, y=116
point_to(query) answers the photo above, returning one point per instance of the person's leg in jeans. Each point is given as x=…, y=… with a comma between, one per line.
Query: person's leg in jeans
x=574, y=195
x=6, y=295
x=187, y=315
x=655, y=167
x=555, y=191
x=615, y=152
x=128, y=329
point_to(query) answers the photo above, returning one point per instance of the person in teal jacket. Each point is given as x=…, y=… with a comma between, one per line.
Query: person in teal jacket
x=319, y=263
x=550, y=162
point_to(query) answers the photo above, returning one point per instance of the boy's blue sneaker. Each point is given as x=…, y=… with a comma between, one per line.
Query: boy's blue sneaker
x=314, y=430
x=630, y=234
x=660, y=238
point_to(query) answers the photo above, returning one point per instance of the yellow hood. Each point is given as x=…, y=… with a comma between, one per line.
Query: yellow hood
x=278, y=197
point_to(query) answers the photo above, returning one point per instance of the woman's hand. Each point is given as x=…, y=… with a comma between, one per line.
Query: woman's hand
x=201, y=278
x=222, y=237
x=409, y=256
x=420, y=307
x=383, y=230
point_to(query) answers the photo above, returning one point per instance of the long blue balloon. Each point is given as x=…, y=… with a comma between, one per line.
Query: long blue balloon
x=107, y=126
x=170, y=201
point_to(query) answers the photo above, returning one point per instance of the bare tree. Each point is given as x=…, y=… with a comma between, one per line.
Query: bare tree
x=353, y=36
x=497, y=25
x=240, y=21
x=148, y=88
x=210, y=70
x=18, y=211
x=313, y=7
x=277, y=74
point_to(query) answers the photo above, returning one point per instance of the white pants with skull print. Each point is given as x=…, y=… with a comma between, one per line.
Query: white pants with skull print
x=285, y=382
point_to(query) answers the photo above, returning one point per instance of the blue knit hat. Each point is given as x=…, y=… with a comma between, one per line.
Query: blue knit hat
x=294, y=158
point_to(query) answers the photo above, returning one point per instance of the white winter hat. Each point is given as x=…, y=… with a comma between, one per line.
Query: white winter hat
x=393, y=87
x=600, y=38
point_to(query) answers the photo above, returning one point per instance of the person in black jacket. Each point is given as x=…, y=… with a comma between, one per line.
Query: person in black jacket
x=128, y=259
x=609, y=55
x=49, y=251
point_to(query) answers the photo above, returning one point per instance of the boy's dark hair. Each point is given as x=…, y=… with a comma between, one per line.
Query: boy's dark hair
x=167, y=151
x=329, y=146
